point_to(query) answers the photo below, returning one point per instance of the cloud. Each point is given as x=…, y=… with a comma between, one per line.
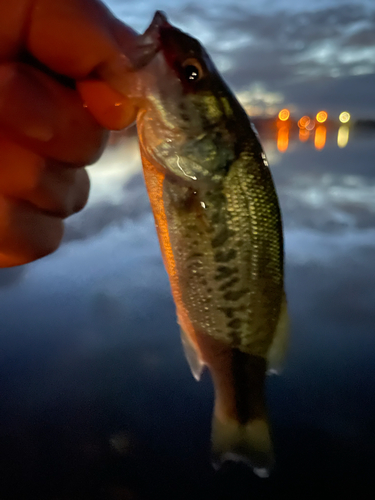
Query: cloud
x=280, y=44
x=328, y=191
x=282, y=47
x=362, y=38
x=335, y=94
x=96, y=217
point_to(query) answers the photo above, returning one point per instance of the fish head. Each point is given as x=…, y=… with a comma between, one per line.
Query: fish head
x=189, y=122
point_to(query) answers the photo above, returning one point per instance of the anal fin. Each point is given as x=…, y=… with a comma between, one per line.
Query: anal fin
x=279, y=345
x=193, y=357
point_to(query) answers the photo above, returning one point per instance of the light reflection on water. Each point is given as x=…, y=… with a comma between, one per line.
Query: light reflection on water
x=317, y=134
x=96, y=394
x=343, y=136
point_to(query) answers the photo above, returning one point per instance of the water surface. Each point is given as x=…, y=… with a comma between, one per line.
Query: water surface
x=97, y=400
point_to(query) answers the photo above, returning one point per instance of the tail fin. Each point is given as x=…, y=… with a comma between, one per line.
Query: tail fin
x=249, y=443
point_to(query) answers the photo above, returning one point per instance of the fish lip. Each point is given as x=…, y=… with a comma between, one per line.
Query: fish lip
x=149, y=44
x=159, y=21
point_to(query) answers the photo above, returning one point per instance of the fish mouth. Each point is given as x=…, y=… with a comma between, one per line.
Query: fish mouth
x=149, y=44
x=159, y=21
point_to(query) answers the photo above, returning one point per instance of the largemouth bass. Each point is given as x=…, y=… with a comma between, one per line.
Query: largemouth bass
x=219, y=226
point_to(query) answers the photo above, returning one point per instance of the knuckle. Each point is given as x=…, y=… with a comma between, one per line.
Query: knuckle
x=98, y=143
x=29, y=235
x=83, y=190
x=49, y=241
x=62, y=190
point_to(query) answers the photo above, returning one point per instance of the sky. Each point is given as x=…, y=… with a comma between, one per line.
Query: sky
x=305, y=55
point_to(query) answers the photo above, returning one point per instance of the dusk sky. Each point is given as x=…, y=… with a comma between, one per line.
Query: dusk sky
x=310, y=55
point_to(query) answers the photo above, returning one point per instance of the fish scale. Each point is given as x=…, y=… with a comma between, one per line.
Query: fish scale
x=239, y=281
x=219, y=226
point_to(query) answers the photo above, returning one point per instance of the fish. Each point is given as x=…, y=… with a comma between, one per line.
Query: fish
x=219, y=226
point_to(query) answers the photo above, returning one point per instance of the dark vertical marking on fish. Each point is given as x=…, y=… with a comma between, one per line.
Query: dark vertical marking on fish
x=224, y=257
x=235, y=295
x=228, y=284
x=224, y=272
x=235, y=323
x=249, y=374
x=221, y=237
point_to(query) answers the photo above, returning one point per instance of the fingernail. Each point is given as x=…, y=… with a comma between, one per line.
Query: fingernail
x=109, y=107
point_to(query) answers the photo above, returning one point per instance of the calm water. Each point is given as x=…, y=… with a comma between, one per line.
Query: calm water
x=97, y=400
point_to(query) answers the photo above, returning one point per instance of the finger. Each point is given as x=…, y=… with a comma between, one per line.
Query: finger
x=51, y=186
x=47, y=117
x=20, y=168
x=61, y=191
x=96, y=46
x=26, y=234
x=111, y=109
x=90, y=48
x=12, y=27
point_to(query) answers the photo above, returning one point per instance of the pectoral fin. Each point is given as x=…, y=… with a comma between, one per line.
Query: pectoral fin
x=279, y=345
x=192, y=355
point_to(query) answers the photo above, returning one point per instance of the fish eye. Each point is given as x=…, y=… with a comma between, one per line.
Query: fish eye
x=192, y=69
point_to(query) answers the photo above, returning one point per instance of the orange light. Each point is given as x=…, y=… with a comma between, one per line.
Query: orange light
x=303, y=135
x=304, y=121
x=284, y=115
x=322, y=116
x=283, y=139
x=311, y=125
x=320, y=137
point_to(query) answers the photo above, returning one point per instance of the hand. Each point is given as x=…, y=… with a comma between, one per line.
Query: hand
x=53, y=54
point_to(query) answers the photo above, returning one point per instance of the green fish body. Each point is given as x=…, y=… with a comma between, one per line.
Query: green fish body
x=219, y=225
